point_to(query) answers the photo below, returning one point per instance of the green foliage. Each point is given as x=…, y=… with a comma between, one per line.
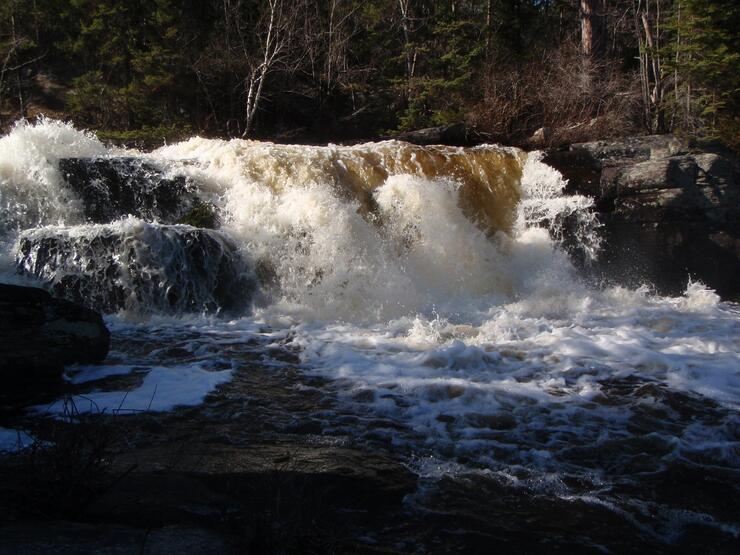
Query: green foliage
x=450, y=51
x=147, y=134
x=132, y=49
x=703, y=55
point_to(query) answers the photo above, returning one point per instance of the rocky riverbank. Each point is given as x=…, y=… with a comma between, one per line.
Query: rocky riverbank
x=670, y=209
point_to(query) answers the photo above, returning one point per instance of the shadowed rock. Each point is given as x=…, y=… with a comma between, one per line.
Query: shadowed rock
x=455, y=135
x=670, y=212
x=40, y=334
x=138, y=266
x=111, y=188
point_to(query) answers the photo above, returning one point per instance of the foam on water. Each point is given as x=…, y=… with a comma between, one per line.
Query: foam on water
x=162, y=389
x=91, y=373
x=548, y=359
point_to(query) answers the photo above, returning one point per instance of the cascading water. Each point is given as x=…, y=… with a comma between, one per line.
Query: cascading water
x=426, y=284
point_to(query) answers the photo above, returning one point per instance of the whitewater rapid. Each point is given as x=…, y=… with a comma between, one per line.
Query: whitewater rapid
x=429, y=287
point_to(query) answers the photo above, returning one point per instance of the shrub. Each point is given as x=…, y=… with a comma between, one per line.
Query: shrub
x=577, y=97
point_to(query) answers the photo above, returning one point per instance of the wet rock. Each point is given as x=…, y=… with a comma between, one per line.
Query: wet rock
x=541, y=136
x=138, y=266
x=194, y=497
x=632, y=149
x=72, y=537
x=671, y=211
x=111, y=188
x=40, y=334
x=160, y=499
x=344, y=475
x=455, y=135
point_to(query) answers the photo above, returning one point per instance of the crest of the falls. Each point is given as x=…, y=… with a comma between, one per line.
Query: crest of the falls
x=383, y=229
x=488, y=176
x=367, y=231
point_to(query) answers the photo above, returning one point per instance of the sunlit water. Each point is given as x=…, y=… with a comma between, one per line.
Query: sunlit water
x=427, y=288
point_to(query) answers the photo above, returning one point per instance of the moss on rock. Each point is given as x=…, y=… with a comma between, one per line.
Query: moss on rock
x=201, y=215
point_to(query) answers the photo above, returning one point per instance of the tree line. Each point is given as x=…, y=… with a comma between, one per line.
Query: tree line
x=342, y=69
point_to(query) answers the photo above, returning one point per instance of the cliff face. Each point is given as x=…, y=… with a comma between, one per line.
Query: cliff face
x=671, y=212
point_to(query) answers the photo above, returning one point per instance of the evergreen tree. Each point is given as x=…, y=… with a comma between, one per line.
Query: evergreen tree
x=450, y=58
x=703, y=58
x=131, y=50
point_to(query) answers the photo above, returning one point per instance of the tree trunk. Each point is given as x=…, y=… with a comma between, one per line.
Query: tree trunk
x=489, y=28
x=591, y=28
x=405, y=7
x=653, y=75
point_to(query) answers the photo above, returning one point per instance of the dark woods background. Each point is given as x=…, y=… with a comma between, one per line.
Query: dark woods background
x=346, y=69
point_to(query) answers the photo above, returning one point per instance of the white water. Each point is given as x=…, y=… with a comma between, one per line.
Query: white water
x=30, y=185
x=483, y=345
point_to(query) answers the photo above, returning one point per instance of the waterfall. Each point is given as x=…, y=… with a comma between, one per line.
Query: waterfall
x=367, y=231
x=430, y=289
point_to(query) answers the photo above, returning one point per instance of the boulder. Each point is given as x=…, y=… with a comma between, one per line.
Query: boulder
x=40, y=334
x=134, y=265
x=541, y=136
x=115, y=187
x=455, y=135
x=632, y=149
x=671, y=211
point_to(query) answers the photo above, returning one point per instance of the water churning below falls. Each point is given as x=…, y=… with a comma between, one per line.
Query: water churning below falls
x=422, y=289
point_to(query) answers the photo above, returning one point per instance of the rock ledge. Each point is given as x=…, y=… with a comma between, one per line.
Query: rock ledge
x=40, y=334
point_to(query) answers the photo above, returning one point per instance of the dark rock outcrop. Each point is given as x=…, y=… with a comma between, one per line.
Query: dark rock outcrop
x=671, y=211
x=40, y=334
x=138, y=266
x=111, y=188
x=455, y=135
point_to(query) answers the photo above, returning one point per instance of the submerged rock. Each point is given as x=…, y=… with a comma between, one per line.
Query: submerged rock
x=111, y=188
x=40, y=334
x=670, y=212
x=134, y=265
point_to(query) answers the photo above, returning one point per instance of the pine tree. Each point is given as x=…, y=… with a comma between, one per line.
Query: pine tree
x=703, y=58
x=449, y=51
x=131, y=50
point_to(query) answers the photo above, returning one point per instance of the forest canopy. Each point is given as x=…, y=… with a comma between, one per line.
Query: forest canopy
x=346, y=69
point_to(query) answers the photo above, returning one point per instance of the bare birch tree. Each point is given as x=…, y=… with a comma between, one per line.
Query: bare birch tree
x=265, y=45
x=407, y=25
x=325, y=40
